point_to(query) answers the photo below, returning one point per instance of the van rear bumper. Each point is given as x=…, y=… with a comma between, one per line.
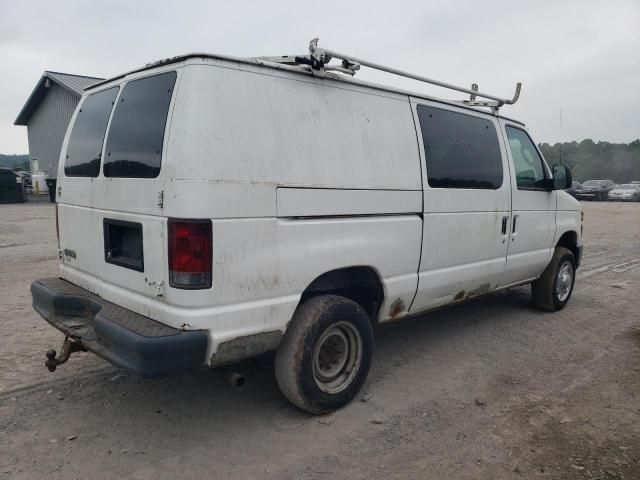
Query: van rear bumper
x=118, y=335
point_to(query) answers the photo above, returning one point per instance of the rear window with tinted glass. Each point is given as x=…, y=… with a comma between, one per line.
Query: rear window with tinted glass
x=136, y=134
x=462, y=151
x=87, y=135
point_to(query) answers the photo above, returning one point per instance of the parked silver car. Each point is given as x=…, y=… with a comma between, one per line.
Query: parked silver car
x=628, y=192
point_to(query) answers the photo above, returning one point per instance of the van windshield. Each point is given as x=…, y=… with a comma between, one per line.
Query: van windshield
x=136, y=134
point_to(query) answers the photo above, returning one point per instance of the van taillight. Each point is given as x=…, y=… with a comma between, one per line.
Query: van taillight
x=190, y=254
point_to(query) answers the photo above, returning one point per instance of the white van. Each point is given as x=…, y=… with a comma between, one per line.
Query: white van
x=212, y=209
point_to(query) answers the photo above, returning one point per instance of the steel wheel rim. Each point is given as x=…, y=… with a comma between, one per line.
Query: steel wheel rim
x=337, y=357
x=564, y=281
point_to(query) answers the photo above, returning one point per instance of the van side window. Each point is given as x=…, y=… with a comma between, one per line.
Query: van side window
x=462, y=151
x=526, y=160
x=87, y=136
x=136, y=134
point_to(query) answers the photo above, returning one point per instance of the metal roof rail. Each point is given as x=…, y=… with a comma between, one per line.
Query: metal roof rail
x=319, y=58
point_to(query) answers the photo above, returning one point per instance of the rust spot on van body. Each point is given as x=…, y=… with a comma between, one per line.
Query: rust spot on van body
x=481, y=290
x=397, y=307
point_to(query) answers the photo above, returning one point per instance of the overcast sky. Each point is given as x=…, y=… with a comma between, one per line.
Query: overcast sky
x=579, y=56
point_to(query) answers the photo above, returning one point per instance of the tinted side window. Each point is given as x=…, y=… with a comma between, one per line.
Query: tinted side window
x=87, y=136
x=462, y=151
x=526, y=160
x=136, y=134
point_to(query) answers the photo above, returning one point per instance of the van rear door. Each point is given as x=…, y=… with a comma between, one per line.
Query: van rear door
x=112, y=232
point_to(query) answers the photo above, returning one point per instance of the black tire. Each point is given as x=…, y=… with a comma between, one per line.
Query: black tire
x=544, y=290
x=299, y=359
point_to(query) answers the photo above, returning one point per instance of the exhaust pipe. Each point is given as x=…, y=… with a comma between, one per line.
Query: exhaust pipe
x=234, y=379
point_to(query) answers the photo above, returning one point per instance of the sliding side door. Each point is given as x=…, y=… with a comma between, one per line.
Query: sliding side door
x=467, y=203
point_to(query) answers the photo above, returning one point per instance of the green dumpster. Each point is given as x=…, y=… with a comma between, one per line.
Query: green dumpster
x=12, y=187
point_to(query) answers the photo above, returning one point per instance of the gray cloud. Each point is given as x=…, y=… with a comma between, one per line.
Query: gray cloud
x=579, y=56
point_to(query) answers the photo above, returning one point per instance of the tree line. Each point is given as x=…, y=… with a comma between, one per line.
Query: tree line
x=590, y=160
x=16, y=162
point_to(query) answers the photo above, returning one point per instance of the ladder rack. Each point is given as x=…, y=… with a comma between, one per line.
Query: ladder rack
x=319, y=58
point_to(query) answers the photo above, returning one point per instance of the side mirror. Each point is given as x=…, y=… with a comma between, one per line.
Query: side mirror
x=561, y=177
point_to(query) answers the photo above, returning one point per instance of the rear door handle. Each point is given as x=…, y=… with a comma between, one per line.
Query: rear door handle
x=513, y=228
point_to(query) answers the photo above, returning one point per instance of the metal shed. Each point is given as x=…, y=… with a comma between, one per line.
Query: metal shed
x=47, y=113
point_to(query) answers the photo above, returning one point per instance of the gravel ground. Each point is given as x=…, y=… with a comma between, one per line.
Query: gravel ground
x=488, y=389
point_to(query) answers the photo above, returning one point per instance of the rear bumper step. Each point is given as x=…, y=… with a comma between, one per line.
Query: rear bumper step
x=122, y=337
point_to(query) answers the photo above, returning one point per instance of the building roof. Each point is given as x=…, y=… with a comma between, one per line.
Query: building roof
x=73, y=83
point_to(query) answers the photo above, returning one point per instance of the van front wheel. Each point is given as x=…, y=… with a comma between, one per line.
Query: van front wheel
x=324, y=357
x=553, y=289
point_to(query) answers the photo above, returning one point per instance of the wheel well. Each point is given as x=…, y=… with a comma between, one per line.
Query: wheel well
x=569, y=240
x=360, y=284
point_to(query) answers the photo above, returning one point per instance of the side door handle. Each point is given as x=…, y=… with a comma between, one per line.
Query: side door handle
x=505, y=223
x=513, y=228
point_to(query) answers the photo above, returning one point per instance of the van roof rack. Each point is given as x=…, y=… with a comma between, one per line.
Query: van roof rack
x=319, y=58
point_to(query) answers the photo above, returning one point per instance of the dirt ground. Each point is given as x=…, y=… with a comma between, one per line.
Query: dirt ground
x=489, y=389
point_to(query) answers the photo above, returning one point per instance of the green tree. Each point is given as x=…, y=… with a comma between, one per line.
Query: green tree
x=588, y=160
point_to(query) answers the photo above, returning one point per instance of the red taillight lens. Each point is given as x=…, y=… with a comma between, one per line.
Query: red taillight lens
x=190, y=254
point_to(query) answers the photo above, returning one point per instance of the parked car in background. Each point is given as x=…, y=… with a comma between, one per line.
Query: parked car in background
x=595, y=190
x=572, y=189
x=628, y=192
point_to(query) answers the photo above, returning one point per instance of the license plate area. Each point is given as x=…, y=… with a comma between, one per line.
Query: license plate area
x=123, y=244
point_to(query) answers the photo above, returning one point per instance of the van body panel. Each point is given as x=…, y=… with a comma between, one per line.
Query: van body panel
x=127, y=195
x=83, y=249
x=304, y=202
x=210, y=199
x=470, y=258
x=288, y=132
x=261, y=267
x=233, y=137
x=566, y=221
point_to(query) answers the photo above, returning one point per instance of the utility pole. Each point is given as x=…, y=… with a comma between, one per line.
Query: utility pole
x=561, y=138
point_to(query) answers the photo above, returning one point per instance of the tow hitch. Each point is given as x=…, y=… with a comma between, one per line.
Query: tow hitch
x=68, y=347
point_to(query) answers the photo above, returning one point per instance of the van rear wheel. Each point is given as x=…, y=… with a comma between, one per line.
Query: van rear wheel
x=553, y=289
x=325, y=355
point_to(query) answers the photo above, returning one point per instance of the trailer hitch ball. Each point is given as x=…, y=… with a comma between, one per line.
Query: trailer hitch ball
x=68, y=347
x=51, y=360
